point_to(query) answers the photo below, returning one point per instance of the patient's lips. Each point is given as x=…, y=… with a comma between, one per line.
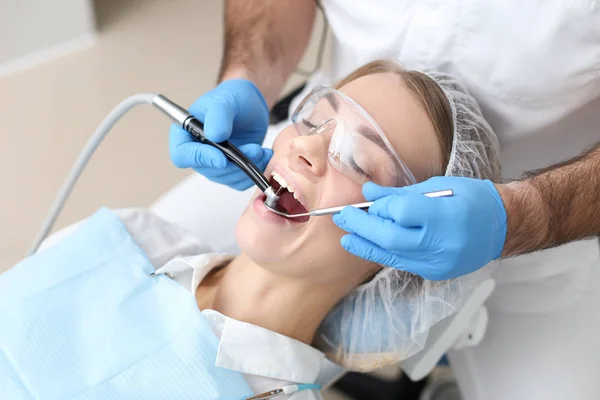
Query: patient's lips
x=261, y=210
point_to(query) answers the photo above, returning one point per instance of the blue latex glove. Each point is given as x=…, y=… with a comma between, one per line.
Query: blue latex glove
x=436, y=238
x=235, y=110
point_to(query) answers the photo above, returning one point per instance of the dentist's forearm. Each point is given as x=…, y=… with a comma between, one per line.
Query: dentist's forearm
x=554, y=205
x=265, y=40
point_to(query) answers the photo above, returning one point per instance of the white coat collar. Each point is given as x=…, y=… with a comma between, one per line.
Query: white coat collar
x=244, y=347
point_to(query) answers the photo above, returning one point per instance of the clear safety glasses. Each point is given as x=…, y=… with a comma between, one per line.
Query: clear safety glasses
x=358, y=147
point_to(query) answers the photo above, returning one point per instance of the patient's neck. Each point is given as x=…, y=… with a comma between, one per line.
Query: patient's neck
x=290, y=306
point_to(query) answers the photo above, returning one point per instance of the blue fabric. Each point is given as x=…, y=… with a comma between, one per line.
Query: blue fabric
x=84, y=320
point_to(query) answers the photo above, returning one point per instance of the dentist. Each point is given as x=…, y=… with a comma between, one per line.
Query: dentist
x=535, y=70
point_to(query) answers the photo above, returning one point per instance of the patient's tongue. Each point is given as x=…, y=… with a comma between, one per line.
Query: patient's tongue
x=292, y=206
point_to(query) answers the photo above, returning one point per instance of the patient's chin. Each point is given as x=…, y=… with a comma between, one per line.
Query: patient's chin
x=256, y=241
x=276, y=250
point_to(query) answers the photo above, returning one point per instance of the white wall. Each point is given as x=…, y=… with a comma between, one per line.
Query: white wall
x=34, y=30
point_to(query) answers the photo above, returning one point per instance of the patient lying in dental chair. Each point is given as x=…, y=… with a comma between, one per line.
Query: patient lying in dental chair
x=293, y=300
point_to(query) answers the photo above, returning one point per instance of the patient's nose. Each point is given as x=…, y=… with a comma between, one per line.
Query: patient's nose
x=309, y=155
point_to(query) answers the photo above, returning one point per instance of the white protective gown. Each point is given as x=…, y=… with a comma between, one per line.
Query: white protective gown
x=534, y=67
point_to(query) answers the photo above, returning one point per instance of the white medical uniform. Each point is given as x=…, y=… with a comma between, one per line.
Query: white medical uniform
x=534, y=67
x=266, y=359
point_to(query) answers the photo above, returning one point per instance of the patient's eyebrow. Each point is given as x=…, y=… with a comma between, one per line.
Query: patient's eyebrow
x=372, y=135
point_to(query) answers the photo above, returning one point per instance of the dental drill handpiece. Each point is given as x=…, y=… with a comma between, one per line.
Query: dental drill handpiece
x=196, y=128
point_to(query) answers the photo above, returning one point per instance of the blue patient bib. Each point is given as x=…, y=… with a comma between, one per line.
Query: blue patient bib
x=84, y=320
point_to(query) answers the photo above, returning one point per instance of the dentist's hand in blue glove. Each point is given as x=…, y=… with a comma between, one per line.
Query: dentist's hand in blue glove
x=436, y=238
x=235, y=110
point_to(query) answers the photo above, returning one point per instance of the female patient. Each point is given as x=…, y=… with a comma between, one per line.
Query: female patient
x=293, y=298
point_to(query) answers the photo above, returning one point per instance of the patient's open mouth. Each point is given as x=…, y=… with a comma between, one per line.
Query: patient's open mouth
x=287, y=202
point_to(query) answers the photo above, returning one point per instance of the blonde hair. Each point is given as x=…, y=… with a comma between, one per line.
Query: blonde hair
x=428, y=93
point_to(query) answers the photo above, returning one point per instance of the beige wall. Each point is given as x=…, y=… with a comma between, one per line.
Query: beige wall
x=30, y=26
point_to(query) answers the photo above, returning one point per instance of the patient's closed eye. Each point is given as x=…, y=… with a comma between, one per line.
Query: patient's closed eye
x=358, y=169
x=308, y=123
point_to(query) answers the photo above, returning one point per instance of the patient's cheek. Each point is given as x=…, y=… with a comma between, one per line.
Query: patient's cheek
x=340, y=190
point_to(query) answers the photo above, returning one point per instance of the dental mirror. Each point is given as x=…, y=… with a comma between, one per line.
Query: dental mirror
x=334, y=210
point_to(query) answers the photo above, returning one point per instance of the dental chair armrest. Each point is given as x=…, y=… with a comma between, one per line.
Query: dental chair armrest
x=465, y=328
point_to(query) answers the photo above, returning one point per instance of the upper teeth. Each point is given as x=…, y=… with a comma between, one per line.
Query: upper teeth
x=282, y=181
x=284, y=184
